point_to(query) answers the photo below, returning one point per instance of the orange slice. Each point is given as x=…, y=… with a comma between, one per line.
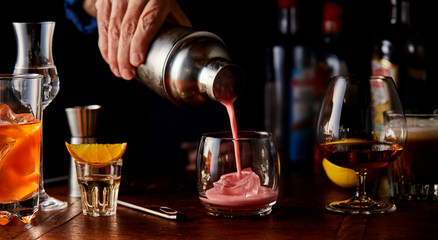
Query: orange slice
x=96, y=152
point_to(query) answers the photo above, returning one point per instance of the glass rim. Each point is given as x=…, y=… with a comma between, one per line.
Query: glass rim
x=87, y=107
x=356, y=76
x=6, y=76
x=37, y=22
x=242, y=135
x=421, y=115
x=120, y=160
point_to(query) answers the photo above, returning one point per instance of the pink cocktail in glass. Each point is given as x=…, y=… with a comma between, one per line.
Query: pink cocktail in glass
x=243, y=184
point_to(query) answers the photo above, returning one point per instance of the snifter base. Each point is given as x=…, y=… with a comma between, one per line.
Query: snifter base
x=364, y=206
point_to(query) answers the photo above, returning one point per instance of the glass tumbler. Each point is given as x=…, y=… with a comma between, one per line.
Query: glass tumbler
x=20, y=139
x=238, y=183
x=414, y=173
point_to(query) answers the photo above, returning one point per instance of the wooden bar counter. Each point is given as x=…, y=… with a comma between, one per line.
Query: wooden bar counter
x=299, y=214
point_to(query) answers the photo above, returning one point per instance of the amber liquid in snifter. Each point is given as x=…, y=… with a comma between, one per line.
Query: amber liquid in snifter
x=19, y=169
x=360, y=154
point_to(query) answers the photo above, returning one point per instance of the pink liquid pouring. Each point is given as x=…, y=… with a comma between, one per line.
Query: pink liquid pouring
x=241, y=189
x=233, y=123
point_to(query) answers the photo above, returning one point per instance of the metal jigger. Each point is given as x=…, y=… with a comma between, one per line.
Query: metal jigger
x=82, y=122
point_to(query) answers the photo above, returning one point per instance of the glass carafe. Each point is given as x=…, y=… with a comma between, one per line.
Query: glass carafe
x=34, y=55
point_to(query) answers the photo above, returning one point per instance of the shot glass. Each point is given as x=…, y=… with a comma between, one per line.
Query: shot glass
x=238, y=183
x=99, y=186
x=414, y=173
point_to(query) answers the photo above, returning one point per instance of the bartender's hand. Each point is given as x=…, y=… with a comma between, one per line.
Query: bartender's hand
x=127, y=27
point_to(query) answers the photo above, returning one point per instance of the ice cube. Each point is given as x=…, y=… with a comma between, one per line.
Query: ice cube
x=25, y=118
x=7, y=116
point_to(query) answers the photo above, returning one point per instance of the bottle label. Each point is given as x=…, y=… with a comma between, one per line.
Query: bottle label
x=301, y=115
x=380, y=102
x=382, y=67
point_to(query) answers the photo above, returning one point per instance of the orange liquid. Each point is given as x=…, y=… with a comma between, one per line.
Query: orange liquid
x=19, y=161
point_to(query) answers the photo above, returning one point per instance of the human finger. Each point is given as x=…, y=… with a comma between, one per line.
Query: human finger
x=150, y=21
x=152, y=18
x=118, y=10
x=103, y=12
x=128, y=28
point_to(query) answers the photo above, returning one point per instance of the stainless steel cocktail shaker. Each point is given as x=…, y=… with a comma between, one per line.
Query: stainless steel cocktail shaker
x=189, y=68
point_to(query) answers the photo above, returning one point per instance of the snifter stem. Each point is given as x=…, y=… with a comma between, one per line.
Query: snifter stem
x=361, y=194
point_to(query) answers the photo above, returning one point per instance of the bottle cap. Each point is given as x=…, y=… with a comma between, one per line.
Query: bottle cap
x=287, y=3
x=332, y=18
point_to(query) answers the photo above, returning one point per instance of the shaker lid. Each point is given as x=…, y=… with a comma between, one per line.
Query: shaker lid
x=221, y=80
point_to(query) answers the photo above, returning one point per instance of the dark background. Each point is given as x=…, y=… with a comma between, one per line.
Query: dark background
x=154, y=128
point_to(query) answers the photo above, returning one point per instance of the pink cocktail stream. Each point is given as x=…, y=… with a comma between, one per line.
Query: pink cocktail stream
x=233, y=123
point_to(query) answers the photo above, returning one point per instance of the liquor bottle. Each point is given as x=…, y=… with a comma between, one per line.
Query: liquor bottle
x=278, y=67
x=290, y=90
x=400, y=53
x=333, y=53
x=331, y=58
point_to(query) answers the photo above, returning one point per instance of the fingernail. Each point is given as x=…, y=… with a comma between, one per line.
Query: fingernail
x=116, y=72
x=136, y=59
x=127, y=74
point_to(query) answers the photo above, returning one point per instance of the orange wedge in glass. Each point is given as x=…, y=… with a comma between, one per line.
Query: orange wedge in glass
x=96, y=152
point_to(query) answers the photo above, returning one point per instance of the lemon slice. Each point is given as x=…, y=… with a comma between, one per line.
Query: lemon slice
x=342, y=177
x=96, y=152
